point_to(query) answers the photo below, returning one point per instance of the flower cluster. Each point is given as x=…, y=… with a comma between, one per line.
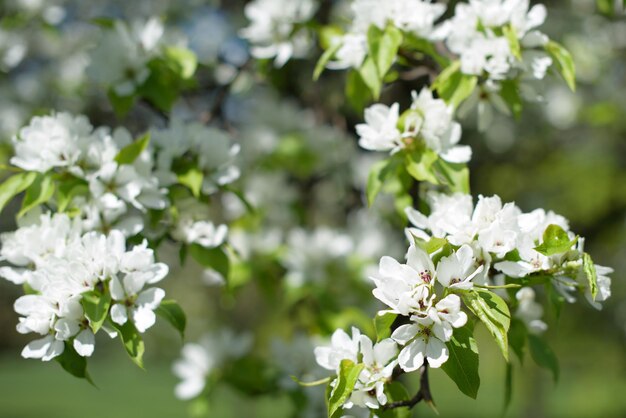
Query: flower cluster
x=112, y=195
x=121, y=58
x=511, y=242
x=483, y=33
x=409, y=290
x=276, y=28
x=429, y=122
x=60, y=265
x=379, y=360
x=416, y=17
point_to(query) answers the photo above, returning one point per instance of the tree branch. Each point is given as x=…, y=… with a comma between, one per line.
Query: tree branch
x=422, y=395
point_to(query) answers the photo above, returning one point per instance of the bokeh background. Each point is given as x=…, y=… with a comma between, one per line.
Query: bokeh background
x=302, y=168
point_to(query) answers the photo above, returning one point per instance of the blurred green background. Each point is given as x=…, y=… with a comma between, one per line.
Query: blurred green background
x=567, y=154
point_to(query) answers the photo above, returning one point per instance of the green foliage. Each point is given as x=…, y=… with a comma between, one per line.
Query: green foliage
x=517, y=338
x=96, y=305
x=121, y=104
x=170, y=311
x=132, y=341
x=213, y=258
x=555, y=241
x=453, y=86
x=346, y=379
x=382, y=325
x=67, y=190
x=589, y=269
x=543, y=355
x=357, y=92
x=182, y=61
x=369, y=75
x=455, y=175
x=462, y=365
x=420, y=165
x=324, y=59
x=38, y=192
x=509, y=92
x=383, y=47
x=14, y=185
x=380, y=173
x=132, y=151
x=73, y=363
x=511, y=36
x=493, y=311
x=564, y=62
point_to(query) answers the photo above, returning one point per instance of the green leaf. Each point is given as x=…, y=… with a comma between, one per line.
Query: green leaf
x=379, y=174
x=213, y=258
x=310, y=384
x=96, y=306
x=324, y=59
x=462, y=365
x=121, y=104
x=383, y=47
x=193, y=179
x=38, y=193
x=382, y=325
x=509, y=92
x=555, y=241
x=453, y=86
x=103, y=22
x=422, y=45
x=517, y=338
x=67, y=190
x=420, y=165
x=132, y=341
x=14, y=185
x=455, y=175
x=434, y=244
x=395, y=392
x=511, y=36
x=564, y=63
x=131, y=152
x=357, y=92
x=74, y=363
x=493, y=311
x=170, y=311
x=182, y=61
x=346, y=379
x=592, y=276
x=369, y=75
x=543, y=355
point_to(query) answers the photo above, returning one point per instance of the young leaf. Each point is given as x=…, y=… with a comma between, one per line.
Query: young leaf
x=14, y=185
x=39, y=192
x=132, y=341
x=214, y=258
x=346, y=379
x=73, y=363
x=379, y=174
x=67, y=190
x=382, y=325
x=456, y=175
x=173, y=313
x=564, y=62
x=462, y=366
x=324, y=59
x=543, y=355
x=493, y=311
x=131, y=152
x=511, y=96
x=121, y=104
x=182, y=61
x=357, y=92
x=592, y=276
x=193, y=179
x=511, y=36
x=555, y=241
x=383, y=47
x=453, y=86
x=96, y=306
x=420, y=165
x=369, y=75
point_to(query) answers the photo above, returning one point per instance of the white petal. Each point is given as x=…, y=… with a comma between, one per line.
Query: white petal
x=436, y=352
x=37, y=348
x=150, y=298
x=117, y=291
x=119, y=314
x=189, y=388
x=412, y=356
x=144, y=318
x=85, y=343
x=404, y=333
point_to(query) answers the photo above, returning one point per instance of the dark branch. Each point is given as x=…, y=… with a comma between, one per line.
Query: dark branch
x=422, y=395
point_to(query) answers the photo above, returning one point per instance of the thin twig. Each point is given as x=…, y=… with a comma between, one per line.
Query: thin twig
x=422, y=395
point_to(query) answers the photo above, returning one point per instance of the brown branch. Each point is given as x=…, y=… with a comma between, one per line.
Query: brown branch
x=422, y=395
